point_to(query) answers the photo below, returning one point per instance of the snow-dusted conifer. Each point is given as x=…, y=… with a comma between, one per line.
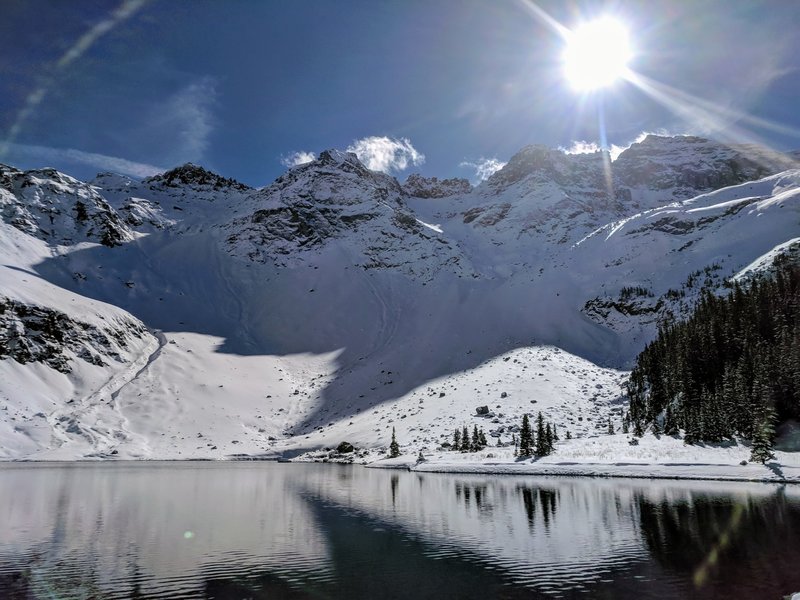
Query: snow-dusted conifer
x=525, y=437
x=475, y=443
x=394, y=447
x=763, y=436
x=541, y=436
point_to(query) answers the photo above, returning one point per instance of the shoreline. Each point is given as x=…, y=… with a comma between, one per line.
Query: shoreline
x=683, y=472
x=752, y=472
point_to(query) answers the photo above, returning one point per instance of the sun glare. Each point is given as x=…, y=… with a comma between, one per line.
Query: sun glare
x=597, y=54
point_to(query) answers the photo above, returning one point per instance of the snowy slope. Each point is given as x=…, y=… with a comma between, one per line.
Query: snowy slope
x=700, y=242
x=62, y=356
x=335, y=303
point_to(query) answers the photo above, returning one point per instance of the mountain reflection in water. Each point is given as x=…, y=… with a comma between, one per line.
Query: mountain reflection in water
x=265, y=530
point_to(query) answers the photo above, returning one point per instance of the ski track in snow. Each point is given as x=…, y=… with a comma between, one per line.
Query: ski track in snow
x=100, y=422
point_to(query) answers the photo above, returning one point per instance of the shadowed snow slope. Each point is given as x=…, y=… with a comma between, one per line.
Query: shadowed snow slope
x=324, y=306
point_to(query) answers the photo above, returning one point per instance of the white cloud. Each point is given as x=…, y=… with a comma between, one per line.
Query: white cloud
x=483, y=168
x=583, y=147
x=100, y=161
x=189, y=113
x=386, y=154
x=580, y=147
x=178, y=129
x=297, y=158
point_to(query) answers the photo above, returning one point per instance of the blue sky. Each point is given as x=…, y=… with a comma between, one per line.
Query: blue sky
x=238, y=86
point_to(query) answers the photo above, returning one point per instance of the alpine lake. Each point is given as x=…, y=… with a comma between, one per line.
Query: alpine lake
x=258, y=530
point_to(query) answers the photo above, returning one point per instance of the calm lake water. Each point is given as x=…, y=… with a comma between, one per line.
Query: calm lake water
x=266, y=530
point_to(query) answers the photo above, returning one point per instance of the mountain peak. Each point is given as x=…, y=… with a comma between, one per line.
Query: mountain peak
x=191, y=174
x=695, y=164
x=549, y=163
x=333, y=156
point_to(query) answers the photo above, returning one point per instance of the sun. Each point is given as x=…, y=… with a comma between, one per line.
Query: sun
x=597, y=54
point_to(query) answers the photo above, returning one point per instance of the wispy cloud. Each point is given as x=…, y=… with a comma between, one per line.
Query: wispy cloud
x=123, y=12
x=187, y=118
x=300, y=157
x=99, y=161
x=483, y=168
x=389, y=155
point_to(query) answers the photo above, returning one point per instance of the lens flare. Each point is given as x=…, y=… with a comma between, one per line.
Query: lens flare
x=597, y=54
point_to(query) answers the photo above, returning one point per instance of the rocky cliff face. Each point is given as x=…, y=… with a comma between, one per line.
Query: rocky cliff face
x=564, y=196
x=668, y=167
x=337, y=200
x=30, y=334
x=418, y=186
x=685, y=166
x=58, y=209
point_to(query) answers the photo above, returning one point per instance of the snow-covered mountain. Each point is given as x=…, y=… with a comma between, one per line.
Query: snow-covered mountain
x=190, y=315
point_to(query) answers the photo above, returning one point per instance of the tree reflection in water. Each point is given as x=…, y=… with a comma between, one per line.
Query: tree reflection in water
x=720, y=542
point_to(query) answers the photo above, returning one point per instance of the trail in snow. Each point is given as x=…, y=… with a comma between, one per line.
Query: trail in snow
x=98, y=421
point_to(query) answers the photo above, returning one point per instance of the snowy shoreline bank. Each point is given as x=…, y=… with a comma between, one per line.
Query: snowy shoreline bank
x=662, y=457
x=770, y=473
x=773, y=472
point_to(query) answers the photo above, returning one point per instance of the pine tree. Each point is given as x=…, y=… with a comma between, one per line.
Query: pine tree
x=569, y=434
x=457, y=439
x=625, y=424
x=525, y=439
x=694, y=428
x=482, y=439
x=394, y=448
x=670, y=428
x=464, y=439
x=610, y=426
x=548, y=435
x=764, y=434
x=475, y=444
x=541, y=436
x=656, y=427
x=555, y=433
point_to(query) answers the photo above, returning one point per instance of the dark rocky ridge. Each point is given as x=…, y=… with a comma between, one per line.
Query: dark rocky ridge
x=37, y=334
x=418, y=186
x=193, y=175
x=58, y=209
x=683, y=165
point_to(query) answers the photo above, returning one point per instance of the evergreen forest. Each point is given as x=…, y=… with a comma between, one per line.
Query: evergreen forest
x=731, y=369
